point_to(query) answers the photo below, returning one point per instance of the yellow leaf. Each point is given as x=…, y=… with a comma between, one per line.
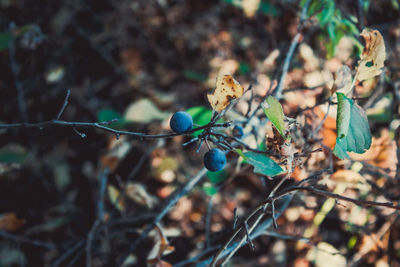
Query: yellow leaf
x=115, y=198
x=373, y=57
x=250, y=7
x=226, y=89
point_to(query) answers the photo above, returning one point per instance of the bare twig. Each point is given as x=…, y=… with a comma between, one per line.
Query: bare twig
x=178, y=194
x=15, y=72
x=64, y=105
x=364, y=203
x=100, y=215
x=208, y=222
x=101, y=126
x=258, y=213
x=289, y=55
x=261, y=226
x=68, y=253
x=197, y=257
x=23, y=239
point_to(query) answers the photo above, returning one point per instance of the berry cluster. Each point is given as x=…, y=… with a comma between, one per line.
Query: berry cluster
x=215, y=159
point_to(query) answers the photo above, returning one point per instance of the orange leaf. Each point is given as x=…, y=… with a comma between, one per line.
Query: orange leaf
x=10, y=222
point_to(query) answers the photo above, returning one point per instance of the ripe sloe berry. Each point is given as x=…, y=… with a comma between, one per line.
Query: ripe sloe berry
x=214, y=160
x=237, y=131
x=181, y=122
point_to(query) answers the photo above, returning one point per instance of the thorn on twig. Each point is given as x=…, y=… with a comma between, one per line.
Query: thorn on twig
x=199, y=147
x=235, y=218
x=251, y=244
x=79, y=133
x=117, y=135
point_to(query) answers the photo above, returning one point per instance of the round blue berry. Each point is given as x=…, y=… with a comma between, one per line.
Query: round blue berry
x=237, y=131
x=181, y=122
x=214, y=160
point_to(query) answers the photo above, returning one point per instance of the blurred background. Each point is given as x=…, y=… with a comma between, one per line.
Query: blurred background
x=139, y=61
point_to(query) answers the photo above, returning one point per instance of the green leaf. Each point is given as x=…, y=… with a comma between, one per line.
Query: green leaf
x=5, y=39
x=108, y=115
x=269, y=9
x=13, y=153
x=327, y=14
x=195, y=75
x=244, y=68
x=262, y=164
x=273, y=110
x=352, y=242
x=354, y=134
x=209, y=189
x=217, y=177
x=201, y=116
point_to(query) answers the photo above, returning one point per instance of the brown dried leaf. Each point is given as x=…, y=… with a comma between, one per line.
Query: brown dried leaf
x=138, y=193
x=226, y=89
x=160, y=248
x=373, y=56
x=10, y=222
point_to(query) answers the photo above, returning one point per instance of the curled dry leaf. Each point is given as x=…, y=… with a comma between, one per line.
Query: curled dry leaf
x=373, y=57
x=226, y=89
x=160, y=248
x=138, y=193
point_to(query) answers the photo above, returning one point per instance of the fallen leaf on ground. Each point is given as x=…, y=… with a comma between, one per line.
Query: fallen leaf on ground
x=144, y=111
x=138, y=193
x=10, y=222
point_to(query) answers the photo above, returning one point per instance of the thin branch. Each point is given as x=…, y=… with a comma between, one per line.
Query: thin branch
x=289, y=55
x=178, y=194
x=197, y=257
x=64, y=105
x=232, y=247
x=15, y=72
x=260, y=210
x=364, y=203
x=208, y=222
x=23, y=239
x=100, y=215
x=102, y=126
x=68, y=253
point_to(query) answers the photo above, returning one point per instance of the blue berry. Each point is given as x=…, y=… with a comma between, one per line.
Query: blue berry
x=181, y=122
x=237, y=131
x=214, y=160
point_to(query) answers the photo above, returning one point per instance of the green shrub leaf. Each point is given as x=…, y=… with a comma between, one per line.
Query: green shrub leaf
x=262, y=164
x=273, y=110
x=353, y=132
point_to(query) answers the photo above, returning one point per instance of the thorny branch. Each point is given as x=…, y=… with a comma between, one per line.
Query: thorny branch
x=103, y=126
